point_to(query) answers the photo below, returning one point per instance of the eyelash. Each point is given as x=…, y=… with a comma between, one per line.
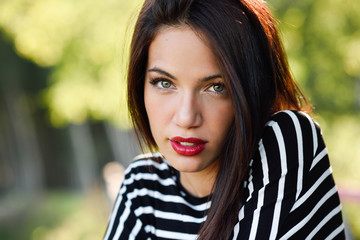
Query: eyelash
x=156, y=81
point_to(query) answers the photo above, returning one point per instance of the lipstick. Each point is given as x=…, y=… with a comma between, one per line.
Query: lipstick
x=187, y=146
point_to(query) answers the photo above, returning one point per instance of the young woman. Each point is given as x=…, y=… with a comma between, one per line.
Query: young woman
x=210, y=89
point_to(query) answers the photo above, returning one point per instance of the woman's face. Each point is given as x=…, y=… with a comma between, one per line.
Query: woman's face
x=188, y=106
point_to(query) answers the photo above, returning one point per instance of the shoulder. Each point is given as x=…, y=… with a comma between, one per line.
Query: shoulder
x=292, y=119
x=149, y=171
x=295, y=129
x=289, y=179
x=146, y=162
x=291, y=139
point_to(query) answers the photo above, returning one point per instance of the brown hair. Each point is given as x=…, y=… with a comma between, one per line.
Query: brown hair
x=244, y=39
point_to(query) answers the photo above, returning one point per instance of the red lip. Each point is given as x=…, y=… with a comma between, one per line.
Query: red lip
x=187, y=150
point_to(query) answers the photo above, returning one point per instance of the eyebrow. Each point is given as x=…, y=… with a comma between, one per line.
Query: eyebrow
x=205, y=79
x=211, y=77
x=158, y=70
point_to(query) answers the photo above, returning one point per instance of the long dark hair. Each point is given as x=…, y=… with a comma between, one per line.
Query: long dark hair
x=244, y=39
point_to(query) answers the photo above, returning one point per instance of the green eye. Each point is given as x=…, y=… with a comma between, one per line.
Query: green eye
x=218, y=87
x=165, y=84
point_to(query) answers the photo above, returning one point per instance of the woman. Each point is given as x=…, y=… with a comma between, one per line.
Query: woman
x=209, y=87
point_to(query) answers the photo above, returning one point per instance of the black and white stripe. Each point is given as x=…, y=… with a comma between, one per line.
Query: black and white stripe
x=293, y=194
x=290, y=191
x=152, y=204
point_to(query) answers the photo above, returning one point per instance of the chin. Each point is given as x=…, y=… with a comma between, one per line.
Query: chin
x=187, y=164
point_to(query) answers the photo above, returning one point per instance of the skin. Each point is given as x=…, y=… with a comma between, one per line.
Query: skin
x=186, y=96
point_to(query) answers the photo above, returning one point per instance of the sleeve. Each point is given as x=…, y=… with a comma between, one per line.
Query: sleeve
x=123, y=223
x=278, y=176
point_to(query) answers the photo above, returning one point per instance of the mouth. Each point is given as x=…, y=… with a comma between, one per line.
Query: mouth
x=187, y=146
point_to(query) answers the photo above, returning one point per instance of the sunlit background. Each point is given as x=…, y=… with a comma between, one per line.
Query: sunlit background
x=64, y=131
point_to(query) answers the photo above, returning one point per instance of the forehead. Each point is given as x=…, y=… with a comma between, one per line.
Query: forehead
x=180, y=47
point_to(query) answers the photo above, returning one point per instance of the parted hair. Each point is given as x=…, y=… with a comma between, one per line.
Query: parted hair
x=244, y=38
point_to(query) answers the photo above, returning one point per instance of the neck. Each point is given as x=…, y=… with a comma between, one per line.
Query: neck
x=199, y=184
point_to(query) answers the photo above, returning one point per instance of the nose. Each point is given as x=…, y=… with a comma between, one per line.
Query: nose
x=188, y=111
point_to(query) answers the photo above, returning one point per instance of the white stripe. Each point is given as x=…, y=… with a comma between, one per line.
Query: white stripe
x=147, y=162
x=167, y=198
x=236, y=230
x=277, y=210
x=315, y=139
x=312, y=189
x=302, y=223
x=335, y=232
x=324, y=221
x=265, y=170
x=237, y=226
x=175, y=235
x=135, y=230
x=320, y=156
x=147, y=155
x=154, y=194
x=122, y=220
x=168, y=215
x=113, y=215
x=300, y=152
x=142, y=192
x=150, y=229
x=270, y=123
x=130, y=181
x=265, y=167
x=250, y=187
x=151, y=177
x=169, y=234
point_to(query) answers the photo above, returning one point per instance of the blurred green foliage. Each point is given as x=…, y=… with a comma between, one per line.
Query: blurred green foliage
x=85, y=44
x=322, y=39
x=60, y=215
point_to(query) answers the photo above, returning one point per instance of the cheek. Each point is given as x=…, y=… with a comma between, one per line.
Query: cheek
x=221, y=118
x=151, y=106
x=157, y=111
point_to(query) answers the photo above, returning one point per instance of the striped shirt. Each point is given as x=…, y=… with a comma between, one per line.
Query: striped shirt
x=290, y=192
